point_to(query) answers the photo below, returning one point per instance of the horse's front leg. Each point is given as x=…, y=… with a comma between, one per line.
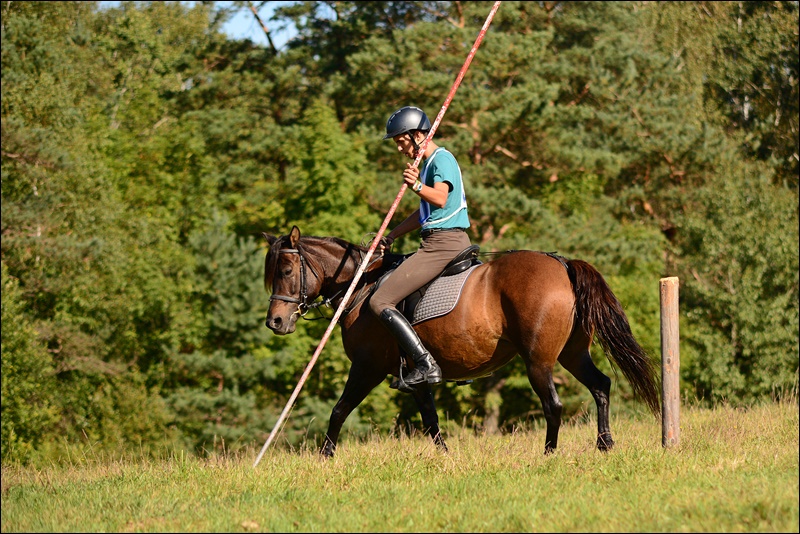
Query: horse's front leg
x=423, y=395
x=361, y=380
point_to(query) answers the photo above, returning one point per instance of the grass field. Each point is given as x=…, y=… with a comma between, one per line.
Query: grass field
x=733, y=471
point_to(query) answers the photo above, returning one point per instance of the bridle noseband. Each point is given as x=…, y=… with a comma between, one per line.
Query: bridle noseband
x=303, y=305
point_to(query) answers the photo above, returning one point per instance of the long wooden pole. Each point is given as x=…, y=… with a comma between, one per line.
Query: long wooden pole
x=380, y=232
x=670, y=363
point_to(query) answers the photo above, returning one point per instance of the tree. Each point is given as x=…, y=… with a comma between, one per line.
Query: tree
x=732, y=219
x=143, y=153
x=86, y=270
x=28, y=407
x=219, y=386
x=739, y=265
x=742, y=58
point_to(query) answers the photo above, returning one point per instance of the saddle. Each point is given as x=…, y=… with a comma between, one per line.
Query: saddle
x=462, y=262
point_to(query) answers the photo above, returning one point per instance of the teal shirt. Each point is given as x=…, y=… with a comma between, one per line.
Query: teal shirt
x=443, y=167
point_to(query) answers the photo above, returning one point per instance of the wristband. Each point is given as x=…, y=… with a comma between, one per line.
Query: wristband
x=417, y=186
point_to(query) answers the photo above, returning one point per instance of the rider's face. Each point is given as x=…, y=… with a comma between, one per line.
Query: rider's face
x=404, y=145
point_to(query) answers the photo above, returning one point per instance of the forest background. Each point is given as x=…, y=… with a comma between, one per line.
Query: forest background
x=144, y=152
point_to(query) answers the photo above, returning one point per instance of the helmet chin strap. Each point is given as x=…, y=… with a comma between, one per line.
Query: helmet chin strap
x=414, y=142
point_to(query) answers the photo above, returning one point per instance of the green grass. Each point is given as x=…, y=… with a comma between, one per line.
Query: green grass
x=733, y=471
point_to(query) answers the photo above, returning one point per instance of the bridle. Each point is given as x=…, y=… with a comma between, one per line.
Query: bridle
x=303, y=306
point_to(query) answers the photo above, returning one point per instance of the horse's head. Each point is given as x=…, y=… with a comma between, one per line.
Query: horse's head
x=293, y=281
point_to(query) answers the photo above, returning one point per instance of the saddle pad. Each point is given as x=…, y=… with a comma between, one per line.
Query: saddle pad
x=441, y=296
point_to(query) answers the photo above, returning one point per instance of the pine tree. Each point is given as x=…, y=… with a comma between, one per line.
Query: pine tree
x=219, y=389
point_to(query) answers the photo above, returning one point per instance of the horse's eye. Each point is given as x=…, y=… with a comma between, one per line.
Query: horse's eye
x=287, y=271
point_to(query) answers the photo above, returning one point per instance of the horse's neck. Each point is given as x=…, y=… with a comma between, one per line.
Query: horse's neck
x=340, y=263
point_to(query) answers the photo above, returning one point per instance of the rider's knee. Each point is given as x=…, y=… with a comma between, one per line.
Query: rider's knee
x=376, y=307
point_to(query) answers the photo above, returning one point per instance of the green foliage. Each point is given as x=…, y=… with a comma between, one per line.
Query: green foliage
x=27, y=403
x=739, y=263
x=330, y=179
x=742, y=57
x=101, y=271
x=144, y=153
x=111, y=410
x=217, y=381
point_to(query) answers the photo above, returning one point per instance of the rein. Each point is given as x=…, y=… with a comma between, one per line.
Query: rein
x=362, y=293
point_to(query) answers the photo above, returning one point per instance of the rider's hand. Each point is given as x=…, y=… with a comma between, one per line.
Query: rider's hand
x=384, y=244
x=410, y=175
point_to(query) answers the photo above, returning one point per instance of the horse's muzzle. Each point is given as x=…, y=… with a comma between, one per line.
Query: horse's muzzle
x=279, y=326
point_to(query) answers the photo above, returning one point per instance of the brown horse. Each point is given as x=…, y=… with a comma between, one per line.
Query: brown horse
x=537, y=305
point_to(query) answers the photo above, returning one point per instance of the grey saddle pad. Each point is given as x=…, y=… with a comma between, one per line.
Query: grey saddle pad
x=441, y=297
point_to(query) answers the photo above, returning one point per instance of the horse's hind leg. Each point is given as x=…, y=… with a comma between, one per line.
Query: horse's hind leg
x=427, y=409
x=540, y=376
x=360, y=382
x=580, y=364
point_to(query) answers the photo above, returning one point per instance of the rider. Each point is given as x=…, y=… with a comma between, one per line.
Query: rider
x=442, y=217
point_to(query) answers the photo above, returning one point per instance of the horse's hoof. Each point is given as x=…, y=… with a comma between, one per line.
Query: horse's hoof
x=438, y=440
x=604, y=447
x=605, y=444
x=327, y=450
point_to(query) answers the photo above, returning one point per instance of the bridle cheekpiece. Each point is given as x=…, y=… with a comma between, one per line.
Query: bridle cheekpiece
x=303, y=306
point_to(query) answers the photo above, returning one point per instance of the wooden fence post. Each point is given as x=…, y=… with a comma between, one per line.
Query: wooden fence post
x=670, y=363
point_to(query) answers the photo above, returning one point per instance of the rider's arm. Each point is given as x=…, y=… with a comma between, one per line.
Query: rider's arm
x=436, y=195
x=409, y=225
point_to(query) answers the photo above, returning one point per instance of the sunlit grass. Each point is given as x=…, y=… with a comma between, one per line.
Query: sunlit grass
x=733, y=471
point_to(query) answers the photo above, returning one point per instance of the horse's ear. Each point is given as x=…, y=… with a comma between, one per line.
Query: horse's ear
x=294, y=236
x=270, y=238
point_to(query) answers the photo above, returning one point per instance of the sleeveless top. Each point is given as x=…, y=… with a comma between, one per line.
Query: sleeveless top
x=443, y=167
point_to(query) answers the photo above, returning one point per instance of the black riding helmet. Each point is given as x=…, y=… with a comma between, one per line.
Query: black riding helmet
x=405, y=120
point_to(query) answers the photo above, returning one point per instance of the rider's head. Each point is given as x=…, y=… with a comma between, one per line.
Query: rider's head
x=407, y=120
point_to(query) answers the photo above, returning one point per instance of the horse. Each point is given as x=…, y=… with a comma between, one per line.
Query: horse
x=540, y=306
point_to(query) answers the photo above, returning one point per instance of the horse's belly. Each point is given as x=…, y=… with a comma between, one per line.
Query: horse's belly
x=465, y=349
x=460, y=362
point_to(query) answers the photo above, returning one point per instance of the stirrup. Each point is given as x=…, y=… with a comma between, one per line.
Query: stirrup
x=399, y=383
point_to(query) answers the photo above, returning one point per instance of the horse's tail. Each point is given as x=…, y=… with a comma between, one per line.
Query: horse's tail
x=600, y=314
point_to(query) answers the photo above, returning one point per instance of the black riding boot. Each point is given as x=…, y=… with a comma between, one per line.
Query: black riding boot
x=426, y=369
